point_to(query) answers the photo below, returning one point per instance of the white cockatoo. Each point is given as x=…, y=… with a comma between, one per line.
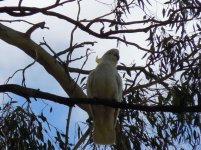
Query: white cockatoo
x=104, y=82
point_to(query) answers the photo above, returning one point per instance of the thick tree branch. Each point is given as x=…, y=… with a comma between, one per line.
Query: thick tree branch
x=28, y=92
x=50, y=64
x=34, y=93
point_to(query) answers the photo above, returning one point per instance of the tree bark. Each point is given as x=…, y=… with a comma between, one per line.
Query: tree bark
x=50, y=64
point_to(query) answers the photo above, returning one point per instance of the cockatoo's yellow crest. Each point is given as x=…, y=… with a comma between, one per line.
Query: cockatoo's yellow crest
x=98, y=60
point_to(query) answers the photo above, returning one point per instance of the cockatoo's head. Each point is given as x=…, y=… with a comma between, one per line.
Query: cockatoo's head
x=111, y=56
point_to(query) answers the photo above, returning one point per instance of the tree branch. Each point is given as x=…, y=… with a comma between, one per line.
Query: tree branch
x=34, y=93
x=28, y=92
x=83, y=138
x=34, y=27
x=52, y=66
x=28, y=11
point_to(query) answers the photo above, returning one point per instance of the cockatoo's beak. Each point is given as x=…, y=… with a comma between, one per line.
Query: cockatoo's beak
x=117, y=56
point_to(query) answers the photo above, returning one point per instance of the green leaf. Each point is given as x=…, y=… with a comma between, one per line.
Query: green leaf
x=42, y=117
x=163, y=12
x=50, y=109
x=82, y=79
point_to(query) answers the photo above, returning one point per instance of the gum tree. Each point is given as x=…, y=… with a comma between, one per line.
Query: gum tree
x=162, y=99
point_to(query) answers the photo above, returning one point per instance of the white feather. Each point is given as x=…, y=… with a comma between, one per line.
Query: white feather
x=104, y=82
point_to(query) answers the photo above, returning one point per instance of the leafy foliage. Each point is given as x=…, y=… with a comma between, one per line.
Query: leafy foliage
x=171, y=74
x=21, y=129
x=174, y=57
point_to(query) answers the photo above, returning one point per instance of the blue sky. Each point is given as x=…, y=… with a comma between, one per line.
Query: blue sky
x=58, y=38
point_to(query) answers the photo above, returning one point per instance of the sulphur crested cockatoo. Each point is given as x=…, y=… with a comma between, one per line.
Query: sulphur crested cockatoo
x=104, y=82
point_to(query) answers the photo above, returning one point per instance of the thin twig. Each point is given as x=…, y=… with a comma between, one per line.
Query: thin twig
x=67, y=126
x=83, y=138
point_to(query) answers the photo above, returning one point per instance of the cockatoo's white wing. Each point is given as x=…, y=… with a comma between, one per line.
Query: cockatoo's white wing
x=105, y=83
x=119, y=83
